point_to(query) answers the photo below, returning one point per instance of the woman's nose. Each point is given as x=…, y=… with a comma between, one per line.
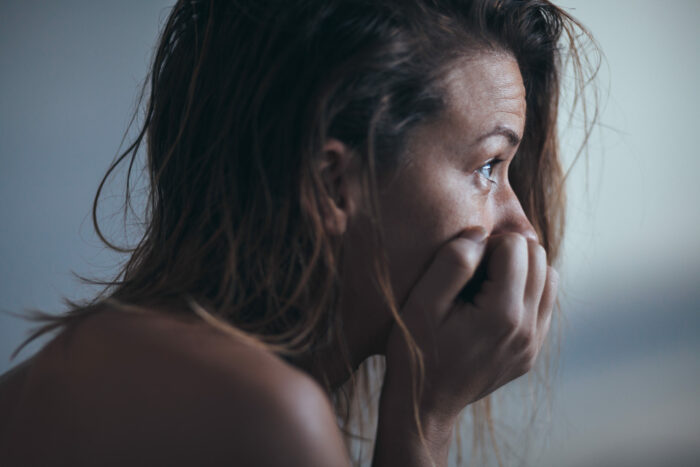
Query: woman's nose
x=512, y=219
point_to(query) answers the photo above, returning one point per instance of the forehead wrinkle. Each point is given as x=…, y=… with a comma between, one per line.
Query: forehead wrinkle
x=481, y=94
x=487, y=93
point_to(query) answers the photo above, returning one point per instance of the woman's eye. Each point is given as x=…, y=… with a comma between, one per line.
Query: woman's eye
x=487, y=169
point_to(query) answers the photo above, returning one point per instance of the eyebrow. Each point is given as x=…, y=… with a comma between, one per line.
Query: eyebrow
x=510, y=135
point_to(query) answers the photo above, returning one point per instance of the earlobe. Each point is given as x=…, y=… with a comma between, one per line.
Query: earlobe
x=338, y=178
x=335, y=220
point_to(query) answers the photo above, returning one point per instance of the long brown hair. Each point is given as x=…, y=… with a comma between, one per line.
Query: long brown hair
x=242, y=96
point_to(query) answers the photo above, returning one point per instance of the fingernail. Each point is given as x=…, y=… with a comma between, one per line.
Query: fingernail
x=475, y=234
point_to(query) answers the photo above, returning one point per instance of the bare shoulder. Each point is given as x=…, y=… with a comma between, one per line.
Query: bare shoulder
x=158, y=390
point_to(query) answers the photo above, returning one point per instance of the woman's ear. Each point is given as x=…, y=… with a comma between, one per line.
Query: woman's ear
x=339, y=174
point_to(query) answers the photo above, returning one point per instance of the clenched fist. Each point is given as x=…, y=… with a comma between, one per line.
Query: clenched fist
x=472, y=348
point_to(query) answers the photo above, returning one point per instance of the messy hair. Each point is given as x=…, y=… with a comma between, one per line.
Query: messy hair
x=241, y=97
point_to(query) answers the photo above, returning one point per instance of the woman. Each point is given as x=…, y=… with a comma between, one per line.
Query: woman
x=329, y=180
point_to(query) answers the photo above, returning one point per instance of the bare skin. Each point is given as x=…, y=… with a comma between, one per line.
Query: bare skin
x=158, y=389
x=154, y=389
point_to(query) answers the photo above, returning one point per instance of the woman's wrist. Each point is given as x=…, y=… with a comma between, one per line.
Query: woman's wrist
x=399, y=440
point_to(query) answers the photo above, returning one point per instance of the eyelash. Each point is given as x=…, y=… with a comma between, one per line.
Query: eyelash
x=491, y=164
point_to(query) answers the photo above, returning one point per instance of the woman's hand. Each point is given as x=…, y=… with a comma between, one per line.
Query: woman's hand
x=469, y=348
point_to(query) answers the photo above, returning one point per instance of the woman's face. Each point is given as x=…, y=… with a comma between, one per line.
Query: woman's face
x=455, y=175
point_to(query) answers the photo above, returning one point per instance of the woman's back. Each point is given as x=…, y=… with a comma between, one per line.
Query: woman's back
x=147, y=388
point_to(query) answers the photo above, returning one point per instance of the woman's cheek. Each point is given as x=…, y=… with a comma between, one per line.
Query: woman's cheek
x=482, y=184
x=424, y=210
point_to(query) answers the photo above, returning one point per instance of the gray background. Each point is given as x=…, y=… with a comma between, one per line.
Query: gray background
x=626, y=392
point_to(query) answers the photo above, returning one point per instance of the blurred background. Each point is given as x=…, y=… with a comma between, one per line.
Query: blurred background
x=627, y=387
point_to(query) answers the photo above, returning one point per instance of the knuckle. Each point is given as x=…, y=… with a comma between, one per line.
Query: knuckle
x=540, y=253
x=511, y=322
x=526, y=360
x=522, y=340
x=456, y=256
x=515, y=241
x=553, y=278
x=515, y=246
x=499, y=241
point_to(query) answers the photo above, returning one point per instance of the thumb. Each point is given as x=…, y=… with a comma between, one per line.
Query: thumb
x=454, y=264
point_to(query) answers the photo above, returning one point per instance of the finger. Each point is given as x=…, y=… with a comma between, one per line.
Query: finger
x=549, y=295
x=507, y=271
x=536, y=280
x=454, y=264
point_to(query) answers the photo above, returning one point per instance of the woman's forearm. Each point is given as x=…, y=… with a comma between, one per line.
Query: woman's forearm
x=398, y=441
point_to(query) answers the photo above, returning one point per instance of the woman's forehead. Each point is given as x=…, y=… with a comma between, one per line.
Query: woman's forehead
x=484, y=93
